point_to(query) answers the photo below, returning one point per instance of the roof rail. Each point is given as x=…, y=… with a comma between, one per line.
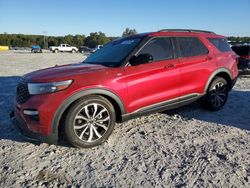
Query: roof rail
x=185, y=30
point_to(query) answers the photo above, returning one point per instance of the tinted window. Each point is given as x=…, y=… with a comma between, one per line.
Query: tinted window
x=159, y=48
x=221, y=44
x=241, y=50
x=191, y=46
x=113, y=53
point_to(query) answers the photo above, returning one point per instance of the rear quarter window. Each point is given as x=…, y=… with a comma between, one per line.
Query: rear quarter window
x=221, y=44
x=191, y=46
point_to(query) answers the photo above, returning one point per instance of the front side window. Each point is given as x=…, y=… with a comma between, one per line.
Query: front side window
x=221, y=44
x=160, y=48
x=191, y=46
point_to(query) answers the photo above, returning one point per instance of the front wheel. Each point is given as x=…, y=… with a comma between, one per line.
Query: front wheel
x=216, y=95
x=89, y=122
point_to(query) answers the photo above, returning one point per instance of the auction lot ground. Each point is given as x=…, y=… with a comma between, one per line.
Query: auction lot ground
x=188, y=147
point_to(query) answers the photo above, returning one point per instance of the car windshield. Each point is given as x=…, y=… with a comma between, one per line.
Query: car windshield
x=113, y=53
x=241, y=50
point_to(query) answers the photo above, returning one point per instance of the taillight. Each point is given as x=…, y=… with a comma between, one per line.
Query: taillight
x=236, y=57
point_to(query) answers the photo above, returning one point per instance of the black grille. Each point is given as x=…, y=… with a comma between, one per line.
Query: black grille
x=22, y=92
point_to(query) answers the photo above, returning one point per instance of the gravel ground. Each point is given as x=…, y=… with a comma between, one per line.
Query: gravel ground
x=187, y=147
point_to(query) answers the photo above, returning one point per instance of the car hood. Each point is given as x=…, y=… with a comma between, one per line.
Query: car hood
x=59, y=73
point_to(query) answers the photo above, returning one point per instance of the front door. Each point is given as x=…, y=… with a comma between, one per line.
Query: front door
x=154, y=82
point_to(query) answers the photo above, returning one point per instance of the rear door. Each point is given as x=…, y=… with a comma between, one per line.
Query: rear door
x=196, y=65
x=63, y=47
x=68, y=48
x=154, y=82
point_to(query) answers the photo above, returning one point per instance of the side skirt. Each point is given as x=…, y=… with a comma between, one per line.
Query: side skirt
x=162, y=106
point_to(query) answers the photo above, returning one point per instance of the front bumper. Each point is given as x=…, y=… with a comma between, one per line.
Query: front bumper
x=22, y=127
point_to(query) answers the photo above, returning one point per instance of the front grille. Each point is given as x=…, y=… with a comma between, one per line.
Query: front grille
x=22, y=92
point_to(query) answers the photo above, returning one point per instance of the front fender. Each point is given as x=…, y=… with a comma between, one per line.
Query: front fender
x=66, y=103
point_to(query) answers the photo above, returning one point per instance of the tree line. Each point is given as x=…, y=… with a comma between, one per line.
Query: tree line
x=239, y=39
x=21, y=40
x=91, y=41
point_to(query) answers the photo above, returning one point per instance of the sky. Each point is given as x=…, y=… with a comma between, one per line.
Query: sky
x=62, y=17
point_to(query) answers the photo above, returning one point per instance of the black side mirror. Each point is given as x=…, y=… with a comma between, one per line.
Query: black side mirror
x=141, y=59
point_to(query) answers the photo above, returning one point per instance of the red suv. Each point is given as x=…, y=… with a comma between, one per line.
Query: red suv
x=127, y=78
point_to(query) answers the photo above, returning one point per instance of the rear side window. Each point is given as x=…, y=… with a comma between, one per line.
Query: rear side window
x=221, y=44
x=191, y=46
x=159, y=48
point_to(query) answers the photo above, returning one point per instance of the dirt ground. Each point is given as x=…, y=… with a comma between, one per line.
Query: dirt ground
x=187, y=147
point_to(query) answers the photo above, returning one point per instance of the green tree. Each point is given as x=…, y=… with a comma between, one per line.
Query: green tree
x=97, y=38
x=78, y=40
x=68, y=39
x=129, y=32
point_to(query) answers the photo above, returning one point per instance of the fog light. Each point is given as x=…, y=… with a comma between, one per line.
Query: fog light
x=31, y=112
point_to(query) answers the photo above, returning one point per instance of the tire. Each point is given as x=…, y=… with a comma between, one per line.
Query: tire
x=73, y=51
x=56, y=51
x=91, y=114
x=216, y=95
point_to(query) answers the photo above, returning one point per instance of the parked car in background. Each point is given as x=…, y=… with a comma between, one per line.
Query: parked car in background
x=63, y=48
x=96, y=48
x=84, y=49
x=127, y=78
x=243, y=51
x=36, y=49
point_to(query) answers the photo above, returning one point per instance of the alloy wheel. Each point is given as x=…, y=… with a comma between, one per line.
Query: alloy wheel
x=91, y=122
x=218, y=94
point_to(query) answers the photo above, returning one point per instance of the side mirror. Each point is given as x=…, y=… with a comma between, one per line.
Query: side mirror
x=141, y=59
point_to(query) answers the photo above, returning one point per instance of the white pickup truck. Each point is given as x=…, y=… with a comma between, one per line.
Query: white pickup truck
x=63, y=48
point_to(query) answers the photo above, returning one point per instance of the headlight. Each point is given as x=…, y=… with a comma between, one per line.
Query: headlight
x=50, y=87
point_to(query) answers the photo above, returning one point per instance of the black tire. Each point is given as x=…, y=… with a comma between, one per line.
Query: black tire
x=216, y=95
x=78, y=131
x=73, y=51
x=56, y=51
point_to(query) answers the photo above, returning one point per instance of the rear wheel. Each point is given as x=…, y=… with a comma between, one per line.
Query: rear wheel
x=89, y=122
x=216, y=95
x=73, y=51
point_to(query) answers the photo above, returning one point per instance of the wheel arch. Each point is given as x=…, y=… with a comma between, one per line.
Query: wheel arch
x=221, y=72
x=63, y=108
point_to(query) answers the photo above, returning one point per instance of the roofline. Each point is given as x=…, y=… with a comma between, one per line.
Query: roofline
x=185, y=30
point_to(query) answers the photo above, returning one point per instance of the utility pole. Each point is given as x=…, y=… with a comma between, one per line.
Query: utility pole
x=44, y=39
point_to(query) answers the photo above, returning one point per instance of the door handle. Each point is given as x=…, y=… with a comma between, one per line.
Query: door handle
x=208, y=58
x=169, y=66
